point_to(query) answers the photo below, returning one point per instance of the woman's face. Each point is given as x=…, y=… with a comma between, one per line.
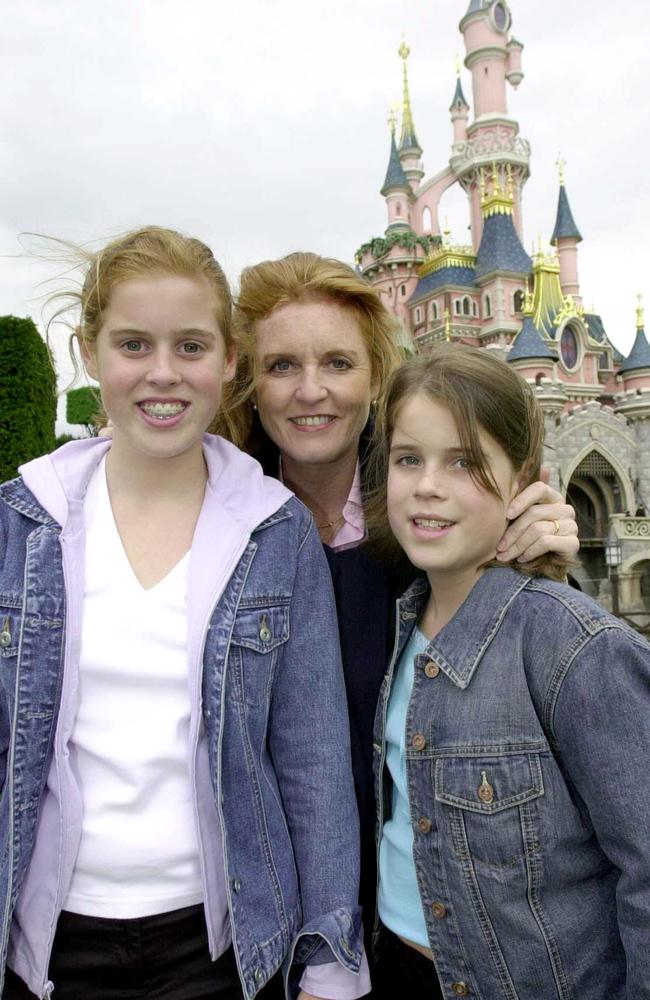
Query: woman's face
x=315, y=385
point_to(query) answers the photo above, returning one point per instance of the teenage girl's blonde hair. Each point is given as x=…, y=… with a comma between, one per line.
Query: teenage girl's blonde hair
x=481, y=393
x=300, y=277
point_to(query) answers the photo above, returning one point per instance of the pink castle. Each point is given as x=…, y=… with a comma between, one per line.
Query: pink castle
x=491, y=293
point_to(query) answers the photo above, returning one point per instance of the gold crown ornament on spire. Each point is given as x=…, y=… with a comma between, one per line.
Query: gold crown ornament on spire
x=560, y=163
x=392, y=118
x=639, y=312
x=499, y=201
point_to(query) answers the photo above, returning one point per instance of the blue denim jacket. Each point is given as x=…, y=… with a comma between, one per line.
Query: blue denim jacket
x=528, y=765
x=281, y=782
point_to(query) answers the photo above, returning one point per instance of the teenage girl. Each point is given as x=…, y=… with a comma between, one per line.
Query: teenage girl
x=513, y=728
x=177, y=815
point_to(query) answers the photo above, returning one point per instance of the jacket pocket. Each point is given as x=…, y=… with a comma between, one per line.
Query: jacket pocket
x=257, y=638
x=490, y=805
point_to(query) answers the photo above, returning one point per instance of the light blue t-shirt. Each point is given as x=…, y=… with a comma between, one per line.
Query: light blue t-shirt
x=400, y=907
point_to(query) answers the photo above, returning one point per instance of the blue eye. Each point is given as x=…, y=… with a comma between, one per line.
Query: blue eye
x=463, y=463
x=191, y=347
x=281, y=365
x=133, y=346
x=409, y=461
x=340, y=364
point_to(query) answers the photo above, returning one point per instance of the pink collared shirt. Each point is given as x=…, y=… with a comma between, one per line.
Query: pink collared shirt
x=353, y=530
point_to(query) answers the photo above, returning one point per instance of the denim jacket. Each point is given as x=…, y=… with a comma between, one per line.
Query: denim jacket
x=528, y=766
x=269, y=698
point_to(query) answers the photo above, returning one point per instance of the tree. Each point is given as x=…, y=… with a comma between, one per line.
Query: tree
x=27, y=395
x=82, y=406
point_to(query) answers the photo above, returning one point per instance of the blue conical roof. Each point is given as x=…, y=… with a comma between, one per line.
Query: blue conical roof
x=564, y=222
x=395, y=176
x=529, y=344
x=458, y=100
x=639, y=356
x=501, y=248
x=477, y=5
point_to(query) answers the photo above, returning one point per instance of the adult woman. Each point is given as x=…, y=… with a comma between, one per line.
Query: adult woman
x=316, y=346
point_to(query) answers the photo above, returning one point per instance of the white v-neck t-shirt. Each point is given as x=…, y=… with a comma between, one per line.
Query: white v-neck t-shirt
x=139, y=851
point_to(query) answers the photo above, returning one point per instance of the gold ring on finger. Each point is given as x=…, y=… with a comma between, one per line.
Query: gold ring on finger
x=557, y=527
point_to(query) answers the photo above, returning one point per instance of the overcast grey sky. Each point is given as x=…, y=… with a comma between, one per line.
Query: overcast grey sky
x=261, y=126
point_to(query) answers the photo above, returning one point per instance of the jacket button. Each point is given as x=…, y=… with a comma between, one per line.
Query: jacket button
x=485, y=790
x=259, y=975
x=431, y=669
x=460, y=989
x=419, y=742
x=236, y=885
x=439, y=910
x=425, y=825
x=5, y=638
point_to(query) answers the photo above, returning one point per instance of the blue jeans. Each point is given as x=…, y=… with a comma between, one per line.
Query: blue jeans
x=164, y=957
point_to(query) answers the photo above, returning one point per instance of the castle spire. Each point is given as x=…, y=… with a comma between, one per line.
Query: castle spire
x=565, y=226
x=408, y=139
x=639, y=356
x=458, y=102
x=395, y=179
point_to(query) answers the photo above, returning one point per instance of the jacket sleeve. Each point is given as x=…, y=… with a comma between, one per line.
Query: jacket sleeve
x=602, y=728
x=310, y=745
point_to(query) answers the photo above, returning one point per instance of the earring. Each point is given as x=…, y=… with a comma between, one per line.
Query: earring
x=254, y=405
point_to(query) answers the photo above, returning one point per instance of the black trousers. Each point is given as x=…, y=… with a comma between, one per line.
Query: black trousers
x=164, y=957
x=402, y=971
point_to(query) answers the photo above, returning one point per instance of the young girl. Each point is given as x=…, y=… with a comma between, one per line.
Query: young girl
x=177, y=815
x=513, y=729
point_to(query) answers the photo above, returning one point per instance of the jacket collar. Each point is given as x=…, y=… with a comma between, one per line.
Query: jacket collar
x=459, y=647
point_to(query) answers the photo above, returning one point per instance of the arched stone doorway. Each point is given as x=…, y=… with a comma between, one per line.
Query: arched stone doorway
x=595, y=491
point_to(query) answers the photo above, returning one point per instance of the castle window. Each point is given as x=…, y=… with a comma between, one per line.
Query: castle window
x=569, y=348
x=426, y=220
x=467, y=306
x=518, y=301
x=474, y=309
x=402, y=289
x=488, y=306
x=457, y=306
x=434, y=310
x=418, y=315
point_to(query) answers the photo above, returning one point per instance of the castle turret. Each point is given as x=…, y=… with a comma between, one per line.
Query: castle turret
x=500, y=248
x=566, y=237
x=459, y=109
x=409, y=147
x=485, y=27
x=636, y=368
x=493, y=59
x=530, y=353
x=396, y=188
x=514, y=72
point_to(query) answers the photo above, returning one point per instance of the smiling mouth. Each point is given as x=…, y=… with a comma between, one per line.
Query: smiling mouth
x=163, y=411
x=318, y=421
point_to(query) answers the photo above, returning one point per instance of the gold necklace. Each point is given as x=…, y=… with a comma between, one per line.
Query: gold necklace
x=329, y=524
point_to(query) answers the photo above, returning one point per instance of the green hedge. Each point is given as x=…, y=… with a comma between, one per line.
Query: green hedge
x=27, y=395
x=82, y=405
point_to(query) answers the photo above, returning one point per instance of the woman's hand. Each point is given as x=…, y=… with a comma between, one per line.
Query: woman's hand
x=541, y=522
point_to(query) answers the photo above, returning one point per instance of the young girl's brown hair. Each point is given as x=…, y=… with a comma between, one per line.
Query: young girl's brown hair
x=481, y=393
